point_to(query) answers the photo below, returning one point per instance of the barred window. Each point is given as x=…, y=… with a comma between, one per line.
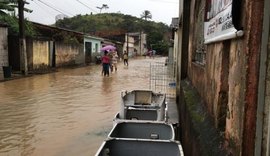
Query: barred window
x=199, y=55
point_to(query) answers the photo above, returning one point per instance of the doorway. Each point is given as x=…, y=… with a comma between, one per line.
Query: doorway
x=88, y=52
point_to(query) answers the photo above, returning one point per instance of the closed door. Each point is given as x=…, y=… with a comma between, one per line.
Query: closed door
x=88, y=52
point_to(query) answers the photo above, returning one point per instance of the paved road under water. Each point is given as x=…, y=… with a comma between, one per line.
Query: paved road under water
x=65, y=113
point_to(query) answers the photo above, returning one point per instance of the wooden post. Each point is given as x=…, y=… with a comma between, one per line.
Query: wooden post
x=140, y=40
x=127, y=43
x=22, y=46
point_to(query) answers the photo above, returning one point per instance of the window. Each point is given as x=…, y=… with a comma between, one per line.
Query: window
x=199, y=54
x=96, y=47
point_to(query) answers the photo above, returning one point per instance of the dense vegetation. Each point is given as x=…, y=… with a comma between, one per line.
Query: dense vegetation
x=114, y=24
x=13, y=26
x=7, y=16
x=108, y=25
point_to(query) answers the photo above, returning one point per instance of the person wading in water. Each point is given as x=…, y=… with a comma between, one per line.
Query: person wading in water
x=125, y=57
x=106, y=64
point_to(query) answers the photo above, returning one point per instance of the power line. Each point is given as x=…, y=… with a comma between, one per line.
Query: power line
x=43, y=8
x=164, y=1
x=58, y=10
x=86, y=6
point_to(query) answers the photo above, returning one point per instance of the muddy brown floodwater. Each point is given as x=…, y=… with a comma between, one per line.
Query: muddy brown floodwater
x=67, y=113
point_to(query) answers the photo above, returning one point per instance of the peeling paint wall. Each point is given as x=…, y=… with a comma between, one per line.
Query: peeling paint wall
x=3, y=49
x=227, y=81
x=266, y=132
x=67, y=54
x=40, y=54
x=236, y=93
x=265, y=150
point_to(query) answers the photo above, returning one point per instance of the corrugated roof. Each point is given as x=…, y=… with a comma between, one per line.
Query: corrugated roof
x=63, y=29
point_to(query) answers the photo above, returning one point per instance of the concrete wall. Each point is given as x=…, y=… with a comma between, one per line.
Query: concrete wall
x=140, y=45
x=40, y=54
x=263, y=113
x=3, y=49
x=227, y=81
x=265, y=150
x=89, y=54
x=130, y=45
x=67, y=54
x=43, y=54
x=94, y=42
x=37, y=53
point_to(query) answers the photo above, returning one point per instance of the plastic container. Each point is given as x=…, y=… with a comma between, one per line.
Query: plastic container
x=7, y=71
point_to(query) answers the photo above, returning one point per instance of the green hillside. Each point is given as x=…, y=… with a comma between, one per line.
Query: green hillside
x=111, y=25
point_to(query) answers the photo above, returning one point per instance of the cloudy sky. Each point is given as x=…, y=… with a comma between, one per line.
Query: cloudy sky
x=44, y=11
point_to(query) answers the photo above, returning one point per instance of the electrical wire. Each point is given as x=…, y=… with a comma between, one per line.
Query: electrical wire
x=164, y=1
x=86, y=6
x=43, y=9
x=58, y=10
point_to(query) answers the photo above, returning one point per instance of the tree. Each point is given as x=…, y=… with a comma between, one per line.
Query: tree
x=146, y=15
x=10, y=6
x=6, y=5
x=104, y=6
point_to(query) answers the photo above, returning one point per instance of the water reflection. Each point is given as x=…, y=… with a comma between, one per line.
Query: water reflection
x=107, y=85
x=67, y=113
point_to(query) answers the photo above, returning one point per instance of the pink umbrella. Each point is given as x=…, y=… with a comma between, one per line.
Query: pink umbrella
x=108, y=48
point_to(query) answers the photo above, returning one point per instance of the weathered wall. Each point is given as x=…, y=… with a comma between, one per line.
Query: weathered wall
x=227, y=81
x=199, y=136
x=94, y=42
x=40, y=54
x=66, y=54
x=90, y=54
x=3, y=49
x=266, y=118
x=37, y=53
x=236, y=94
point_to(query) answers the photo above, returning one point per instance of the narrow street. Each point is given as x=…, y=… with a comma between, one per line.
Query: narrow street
x=66, y=113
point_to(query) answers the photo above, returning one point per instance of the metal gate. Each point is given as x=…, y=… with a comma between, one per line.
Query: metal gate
x=162, y=78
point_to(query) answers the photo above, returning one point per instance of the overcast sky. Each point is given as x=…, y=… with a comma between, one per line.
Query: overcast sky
x=44, y=11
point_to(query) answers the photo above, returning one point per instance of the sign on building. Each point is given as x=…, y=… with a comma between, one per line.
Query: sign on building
x=218, y=23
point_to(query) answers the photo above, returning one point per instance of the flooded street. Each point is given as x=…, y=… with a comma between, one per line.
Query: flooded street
x=66, y=113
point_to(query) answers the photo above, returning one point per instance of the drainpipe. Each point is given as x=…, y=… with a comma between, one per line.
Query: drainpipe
x=261, y=88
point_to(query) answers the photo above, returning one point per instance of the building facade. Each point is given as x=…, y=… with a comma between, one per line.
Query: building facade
x=223, y=58
x=3, y=48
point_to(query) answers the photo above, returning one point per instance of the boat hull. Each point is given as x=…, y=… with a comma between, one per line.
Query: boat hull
x=121, y=147
x=142, y=105
x=143, y=130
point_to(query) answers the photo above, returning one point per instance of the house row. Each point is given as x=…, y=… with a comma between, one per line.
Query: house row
x=58, y=47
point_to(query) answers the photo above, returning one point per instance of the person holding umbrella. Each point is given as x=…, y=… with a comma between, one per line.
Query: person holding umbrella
x=114, y=60
x=105, y=64
x=106, y=60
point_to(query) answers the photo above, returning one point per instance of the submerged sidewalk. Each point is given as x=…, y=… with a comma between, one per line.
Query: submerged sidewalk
x=173, y=115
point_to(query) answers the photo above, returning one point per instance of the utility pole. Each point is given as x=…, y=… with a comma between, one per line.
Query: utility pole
x=127, y=43
x=22, y=43
x=140, y=40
